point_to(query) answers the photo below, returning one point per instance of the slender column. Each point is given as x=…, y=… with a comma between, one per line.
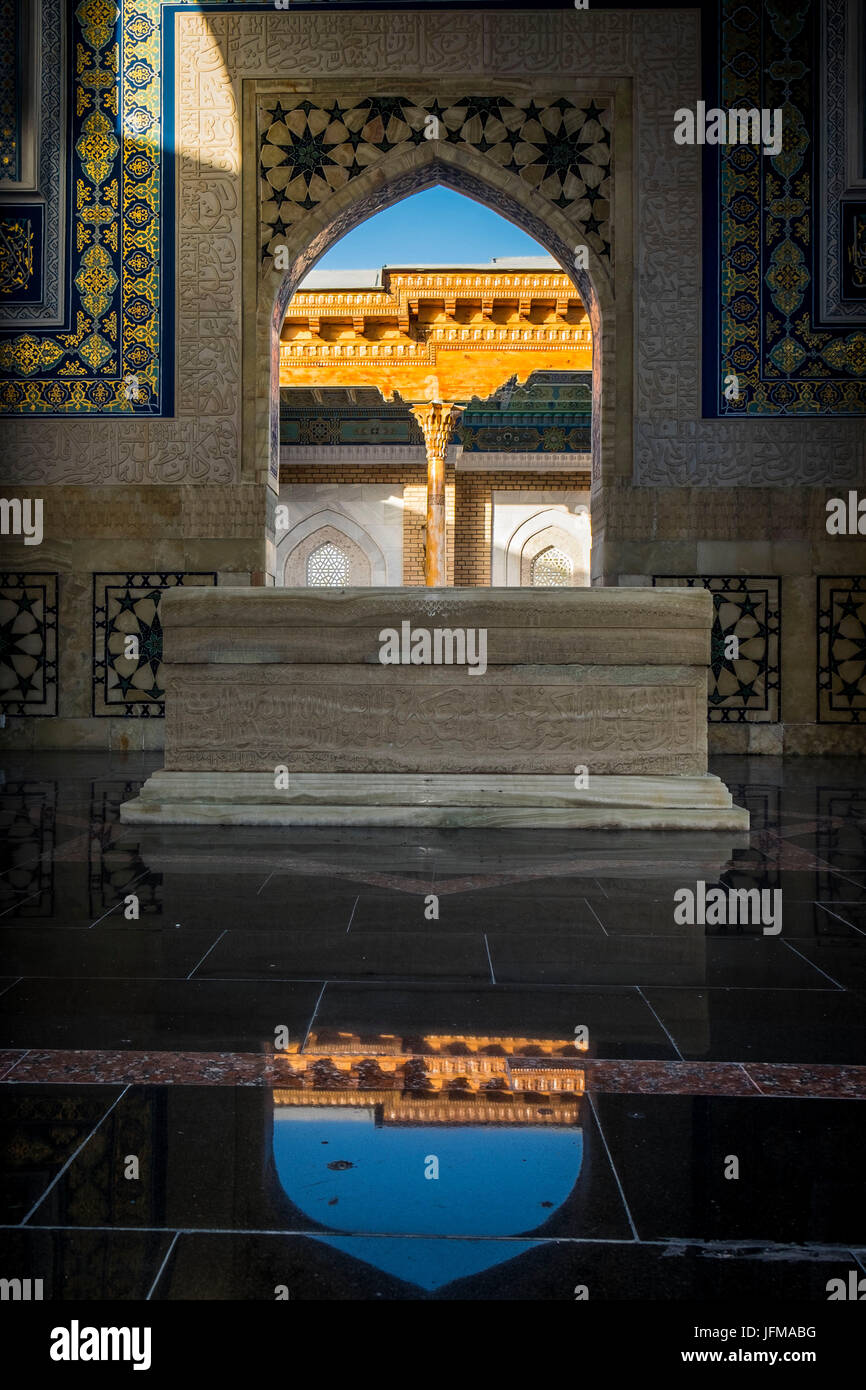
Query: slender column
x=437, y=419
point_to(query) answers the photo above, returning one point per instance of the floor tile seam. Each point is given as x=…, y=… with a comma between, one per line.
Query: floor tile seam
x=813, y=965
x=213, y=944
x=119, y=903
x=839, y=918
x=268, y=1083
x=597, y=918
x=613, y=1167
x=165, y=1261
x=24, y=863
x=22, y=901
x=744, y=1069
x=24, y=1055
x=744, y=1248
x=73, y=1156
x=248, y=1057
x=334, y=1232
x=313, y=1015
x=461, y=979
x=663, y=1027
x=489, y=959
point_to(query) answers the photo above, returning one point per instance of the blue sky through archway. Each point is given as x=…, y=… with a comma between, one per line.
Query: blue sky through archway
x=436, y=225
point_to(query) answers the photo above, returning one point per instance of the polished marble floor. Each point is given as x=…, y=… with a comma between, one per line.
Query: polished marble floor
x=428, y=1064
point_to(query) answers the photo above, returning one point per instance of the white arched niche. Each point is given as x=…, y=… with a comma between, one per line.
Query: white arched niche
x=526, y=524
x=369, y=529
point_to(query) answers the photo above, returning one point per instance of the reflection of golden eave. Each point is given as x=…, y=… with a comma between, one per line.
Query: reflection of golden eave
x=398, y=1109
x=393, y=1045
x=452, y=1079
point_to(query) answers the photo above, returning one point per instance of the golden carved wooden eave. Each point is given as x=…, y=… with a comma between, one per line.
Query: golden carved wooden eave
x=431, y=335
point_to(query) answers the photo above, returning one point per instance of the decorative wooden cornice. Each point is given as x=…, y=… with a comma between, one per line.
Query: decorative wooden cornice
x=471, y=330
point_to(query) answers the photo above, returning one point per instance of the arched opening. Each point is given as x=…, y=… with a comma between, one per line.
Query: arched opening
x=465, y=171
x=526, y=422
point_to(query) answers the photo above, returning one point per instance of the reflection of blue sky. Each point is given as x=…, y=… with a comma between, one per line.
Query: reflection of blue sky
x=493, y=1181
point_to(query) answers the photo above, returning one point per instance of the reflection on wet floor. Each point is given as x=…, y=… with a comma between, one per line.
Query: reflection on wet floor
x=331, y=1089
x=456, y=1141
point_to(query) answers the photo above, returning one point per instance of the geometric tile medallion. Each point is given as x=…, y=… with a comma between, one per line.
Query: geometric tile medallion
x=559, y=147
x=127, y=641
x=28, y=643
x=745, y=686
x=841, y=649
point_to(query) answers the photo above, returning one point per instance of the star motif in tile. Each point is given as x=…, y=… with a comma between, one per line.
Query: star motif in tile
x=126, y=603
x=338, y=112
x=278, y=112
x=533, y=112
x=385, y=108
x=278, y=226
x=310, y=156
x=480, y=106
x=565, y=154
x=850, y=607
x=594, y=113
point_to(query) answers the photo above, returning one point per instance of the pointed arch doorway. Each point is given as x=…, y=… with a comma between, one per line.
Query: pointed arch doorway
x=583, y=255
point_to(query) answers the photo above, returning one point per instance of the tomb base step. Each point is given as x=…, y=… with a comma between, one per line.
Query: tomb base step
x=497, y=801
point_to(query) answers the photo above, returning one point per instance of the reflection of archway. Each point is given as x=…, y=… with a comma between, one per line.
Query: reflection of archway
x=466, y=171
x=366, y=562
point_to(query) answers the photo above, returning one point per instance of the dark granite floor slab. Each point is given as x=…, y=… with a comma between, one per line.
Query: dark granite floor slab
x=322, y=955
x=620, y=1022
x=41, y=1127
x=298, y=888
x=854, y=914
x=86, y=1266
x=482, y=909
x=800, y=1165
x=199, y=1015
x=623, y=917
x=655, y=892
x=99, y=954
x=651, y=960
x=797, y=885
x=842, y=959
x=253, y=912
x=764, y=1025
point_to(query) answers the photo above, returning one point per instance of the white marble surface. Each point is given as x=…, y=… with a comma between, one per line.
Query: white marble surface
x=521, y=517
x=370, y=514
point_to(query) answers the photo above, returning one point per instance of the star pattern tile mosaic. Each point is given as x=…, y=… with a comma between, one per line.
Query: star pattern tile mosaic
x=126, y=673
x=841, y=649
x=560, y=148
x=28, y=643
x=744, y=688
